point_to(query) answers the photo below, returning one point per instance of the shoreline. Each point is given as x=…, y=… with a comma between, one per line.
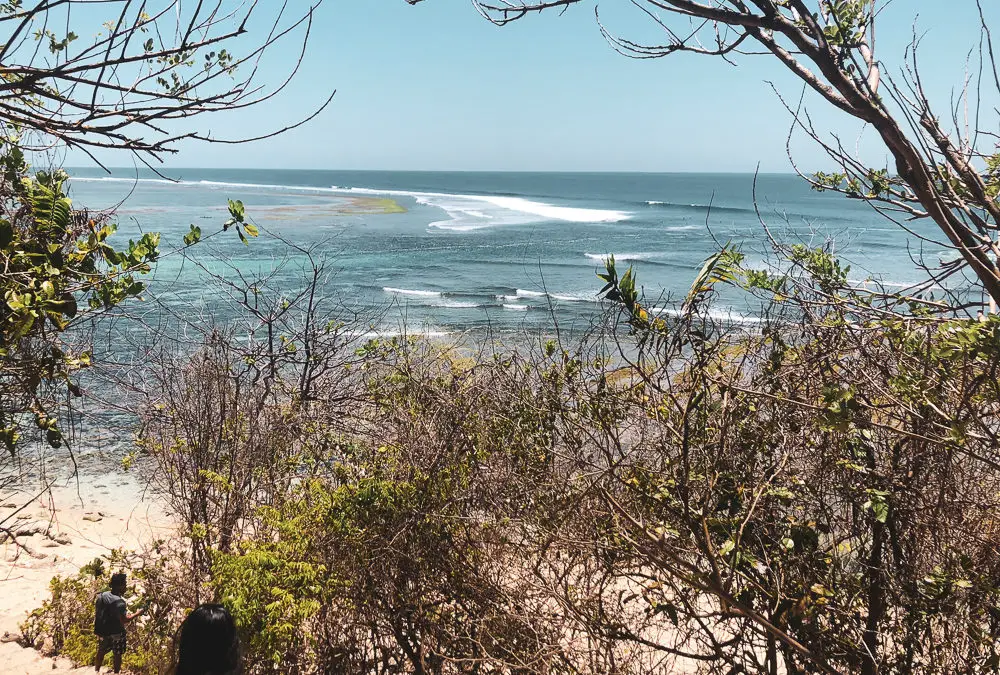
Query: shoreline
x=80, y=517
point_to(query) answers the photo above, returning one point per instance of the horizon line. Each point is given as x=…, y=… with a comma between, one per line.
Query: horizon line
x=481, y=171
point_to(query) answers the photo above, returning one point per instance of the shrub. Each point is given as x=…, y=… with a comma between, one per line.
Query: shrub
x=64, y=624
x=815, y=494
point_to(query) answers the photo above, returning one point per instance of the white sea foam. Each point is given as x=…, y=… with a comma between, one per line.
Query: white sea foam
x=115, y=179
x=515, y=307
x=736, y=317
x=457, y=305
x=601, y=257
x=682, y=228
x=878, y=283
x=653, y=202
x=726, y=315
x=407, y=291
x=573, y=298
x=561, y=297
x=466, y=212
x=201, y=183
x=474, y=212
x=371, y=334
x=264, y=186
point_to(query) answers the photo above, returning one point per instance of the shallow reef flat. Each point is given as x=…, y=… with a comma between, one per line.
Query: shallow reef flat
x=346, y=206
x=371, y=205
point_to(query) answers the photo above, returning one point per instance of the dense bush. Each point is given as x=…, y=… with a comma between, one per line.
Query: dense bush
x=64, y=624
x=59, y=267
x=815, y=493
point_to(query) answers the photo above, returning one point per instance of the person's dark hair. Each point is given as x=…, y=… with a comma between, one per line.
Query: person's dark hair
x=208, y=643
x=118, y=580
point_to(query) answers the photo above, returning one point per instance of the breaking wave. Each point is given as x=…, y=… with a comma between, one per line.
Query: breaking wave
x=475, y=212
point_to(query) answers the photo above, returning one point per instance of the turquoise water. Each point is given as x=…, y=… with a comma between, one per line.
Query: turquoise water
x=508, y=251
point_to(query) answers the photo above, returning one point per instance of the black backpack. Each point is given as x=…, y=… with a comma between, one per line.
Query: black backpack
x=105, y=621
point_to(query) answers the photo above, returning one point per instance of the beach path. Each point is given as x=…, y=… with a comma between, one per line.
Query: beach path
x=77, y=520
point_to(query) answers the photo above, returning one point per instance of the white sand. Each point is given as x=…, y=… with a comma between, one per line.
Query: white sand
x=84, y=519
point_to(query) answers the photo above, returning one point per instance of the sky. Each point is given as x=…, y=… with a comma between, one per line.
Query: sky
x=436, y=87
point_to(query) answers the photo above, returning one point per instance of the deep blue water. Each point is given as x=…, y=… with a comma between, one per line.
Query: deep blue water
x=485, y=249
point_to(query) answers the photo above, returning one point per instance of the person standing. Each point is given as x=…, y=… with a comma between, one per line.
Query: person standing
x=110, y=620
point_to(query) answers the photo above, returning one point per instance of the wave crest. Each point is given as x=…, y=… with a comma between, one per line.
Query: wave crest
x=474, y=212
x=409, y=291
x=601, y=257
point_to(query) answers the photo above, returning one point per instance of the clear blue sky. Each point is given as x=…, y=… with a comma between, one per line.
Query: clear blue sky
x=434, y=86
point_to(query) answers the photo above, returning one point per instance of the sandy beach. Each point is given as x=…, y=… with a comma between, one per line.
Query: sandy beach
x=78, y=519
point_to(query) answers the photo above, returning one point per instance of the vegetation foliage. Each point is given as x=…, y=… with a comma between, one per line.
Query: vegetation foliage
x=58, y=89
x=64, y=624
x=140, y=80
x=814, y=493
x=59, y=268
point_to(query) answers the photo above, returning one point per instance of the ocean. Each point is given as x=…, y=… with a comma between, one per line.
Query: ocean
x=470, y=252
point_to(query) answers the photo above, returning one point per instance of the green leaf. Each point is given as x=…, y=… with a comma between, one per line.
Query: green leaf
x=881, y=511
x=237, y=211
x=192, y=237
